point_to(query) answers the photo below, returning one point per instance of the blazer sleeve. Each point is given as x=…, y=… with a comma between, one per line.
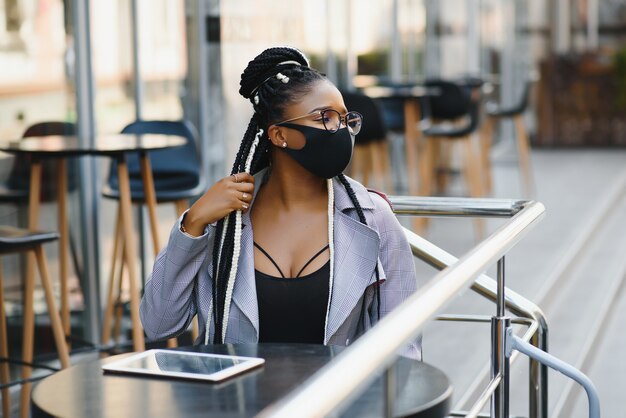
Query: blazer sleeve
x=168, y=303
x=398, y=268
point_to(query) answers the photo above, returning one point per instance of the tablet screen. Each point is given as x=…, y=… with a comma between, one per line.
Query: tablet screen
x=203, y=366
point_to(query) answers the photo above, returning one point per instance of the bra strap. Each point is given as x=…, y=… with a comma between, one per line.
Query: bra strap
x=270, y=258
x=312, y=258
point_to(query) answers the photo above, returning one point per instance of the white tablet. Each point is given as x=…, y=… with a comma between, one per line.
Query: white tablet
x=183, y=364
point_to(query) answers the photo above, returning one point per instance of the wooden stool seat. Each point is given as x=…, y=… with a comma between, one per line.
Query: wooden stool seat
x=16, y=240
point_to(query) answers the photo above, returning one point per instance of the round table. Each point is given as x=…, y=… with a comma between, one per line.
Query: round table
x=84, y=391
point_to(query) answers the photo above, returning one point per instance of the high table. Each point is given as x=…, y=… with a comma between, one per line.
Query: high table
x=414, y=147
x=113, y=146
x=84, y=391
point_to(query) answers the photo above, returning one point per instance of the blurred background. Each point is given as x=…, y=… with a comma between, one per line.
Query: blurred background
x=102, y=64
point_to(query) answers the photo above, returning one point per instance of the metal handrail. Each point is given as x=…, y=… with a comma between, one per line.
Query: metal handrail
x=484, y=285
x=353, y=370
x=456, y=206
x=516, y=303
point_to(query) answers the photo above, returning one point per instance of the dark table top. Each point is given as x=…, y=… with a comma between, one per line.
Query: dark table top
x=84, y=391
x=114, y=144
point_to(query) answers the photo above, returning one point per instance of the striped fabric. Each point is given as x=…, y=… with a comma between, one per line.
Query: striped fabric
x=180, y=284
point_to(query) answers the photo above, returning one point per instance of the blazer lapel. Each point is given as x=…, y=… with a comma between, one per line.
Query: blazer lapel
x=355, y=258
x=244, y=291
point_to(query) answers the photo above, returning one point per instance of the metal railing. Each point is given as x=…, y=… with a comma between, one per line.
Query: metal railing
x=336, y=384
x=487, y=287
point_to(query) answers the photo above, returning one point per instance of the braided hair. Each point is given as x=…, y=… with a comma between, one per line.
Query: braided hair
x=273, y=80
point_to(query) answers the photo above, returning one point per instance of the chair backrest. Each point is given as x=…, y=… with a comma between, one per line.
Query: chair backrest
x=19, y=178
x=452, y=102
x=173, y=168
x=374, y=127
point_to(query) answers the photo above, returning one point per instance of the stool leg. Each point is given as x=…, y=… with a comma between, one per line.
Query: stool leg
x=55, y=319
x=426, y=167
x=130, y=254
x=117, y=254
x=4, y=353
x=523, y=149
x=413, y=143
x=485, y=154
x=118, y=305
x=383, y=150
x=27, y=338
x=63, y=244
x=181, y=206
x=151, y=202
x=29, y=287
x=443, y=164
x=375, y=158
x=472, y=170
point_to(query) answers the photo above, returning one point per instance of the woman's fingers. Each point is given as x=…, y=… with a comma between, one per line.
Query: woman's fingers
x=242, y=188
x=242, y=178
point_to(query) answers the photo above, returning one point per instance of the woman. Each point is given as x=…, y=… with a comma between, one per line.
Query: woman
x=286, y=249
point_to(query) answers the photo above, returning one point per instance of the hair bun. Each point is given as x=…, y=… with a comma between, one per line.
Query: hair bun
x=264, y=65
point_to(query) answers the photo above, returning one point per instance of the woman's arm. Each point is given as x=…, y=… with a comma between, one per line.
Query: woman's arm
x=168, y=304
x=397, y=263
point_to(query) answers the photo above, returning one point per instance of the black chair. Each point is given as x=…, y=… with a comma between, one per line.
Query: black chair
x=452, y=116
x=495, y=113
x=15, y=240
x=176, y=171
x=15, y=188
x=455, y=101
x=17, y=185
x=371, y=151
x=177, y=178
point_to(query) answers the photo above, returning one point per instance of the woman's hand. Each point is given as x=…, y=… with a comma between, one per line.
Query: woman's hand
x=227, y=195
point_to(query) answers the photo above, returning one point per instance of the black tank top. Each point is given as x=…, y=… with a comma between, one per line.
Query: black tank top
x=292, y=310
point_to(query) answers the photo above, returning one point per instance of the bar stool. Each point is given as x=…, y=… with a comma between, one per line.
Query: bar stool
x=455, y=101
x=177, y=179
x=371, y=147
x=16, y=190
x=15, y=240
x=496, y=112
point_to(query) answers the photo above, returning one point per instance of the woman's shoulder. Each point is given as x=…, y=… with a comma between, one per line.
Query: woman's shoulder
x=371, y=199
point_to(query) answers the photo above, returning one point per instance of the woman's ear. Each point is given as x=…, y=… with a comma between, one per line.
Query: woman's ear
x=275, y=133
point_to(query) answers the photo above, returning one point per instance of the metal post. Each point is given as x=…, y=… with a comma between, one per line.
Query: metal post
x=351, y=58
x=138, y=96
x=88, y=177
x=389, y=391
x=592, y=24
x=473, y=37
x=499, y=360
x=331, y=60
x=432, y=65
x=137, y=84
x=395, y=64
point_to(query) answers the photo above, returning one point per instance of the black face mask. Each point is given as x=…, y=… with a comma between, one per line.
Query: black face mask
x=325, y=154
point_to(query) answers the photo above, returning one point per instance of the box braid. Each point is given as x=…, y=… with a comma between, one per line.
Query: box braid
x=359, y=211
x=273, y=80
